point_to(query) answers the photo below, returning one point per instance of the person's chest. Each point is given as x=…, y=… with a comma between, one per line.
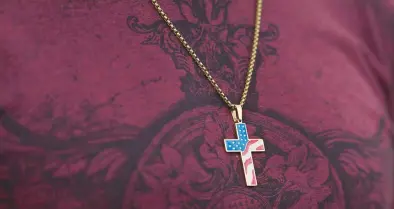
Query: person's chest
x=104, y=108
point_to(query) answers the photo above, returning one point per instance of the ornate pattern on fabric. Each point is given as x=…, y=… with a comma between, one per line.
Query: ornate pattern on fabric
x=69, y=157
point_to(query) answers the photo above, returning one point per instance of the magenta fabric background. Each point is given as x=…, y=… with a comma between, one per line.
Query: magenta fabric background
x=100, y=106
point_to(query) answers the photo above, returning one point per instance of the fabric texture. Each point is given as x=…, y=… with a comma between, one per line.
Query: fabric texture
x=102, y=108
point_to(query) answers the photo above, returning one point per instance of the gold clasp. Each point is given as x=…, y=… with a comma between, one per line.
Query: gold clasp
x=236, y=112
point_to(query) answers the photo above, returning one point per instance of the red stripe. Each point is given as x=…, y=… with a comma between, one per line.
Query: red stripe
x=260, y=148
x=254, y=179
x=246, y=164
x=250, y=143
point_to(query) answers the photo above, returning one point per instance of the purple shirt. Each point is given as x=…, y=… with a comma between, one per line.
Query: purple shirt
x=102, y=108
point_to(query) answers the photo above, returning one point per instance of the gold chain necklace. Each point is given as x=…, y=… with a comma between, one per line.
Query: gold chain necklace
x=242, y=144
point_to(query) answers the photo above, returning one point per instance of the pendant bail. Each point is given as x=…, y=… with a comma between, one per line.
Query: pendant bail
x=236, y=112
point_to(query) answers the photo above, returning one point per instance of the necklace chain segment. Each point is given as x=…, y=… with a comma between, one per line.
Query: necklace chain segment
x=242, y=144
x=203, y=68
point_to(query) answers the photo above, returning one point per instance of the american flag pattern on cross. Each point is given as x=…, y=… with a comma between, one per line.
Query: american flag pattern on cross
x=245, y=146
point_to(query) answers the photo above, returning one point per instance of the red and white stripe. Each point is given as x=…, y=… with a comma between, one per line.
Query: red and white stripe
x=253, y=145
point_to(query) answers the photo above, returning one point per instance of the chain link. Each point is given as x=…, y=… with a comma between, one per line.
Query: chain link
x=204, y=69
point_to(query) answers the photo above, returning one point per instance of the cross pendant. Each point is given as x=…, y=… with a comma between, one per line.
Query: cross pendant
x=245, y=146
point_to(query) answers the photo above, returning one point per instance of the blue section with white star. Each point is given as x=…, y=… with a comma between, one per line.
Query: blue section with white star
x=238, y=145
